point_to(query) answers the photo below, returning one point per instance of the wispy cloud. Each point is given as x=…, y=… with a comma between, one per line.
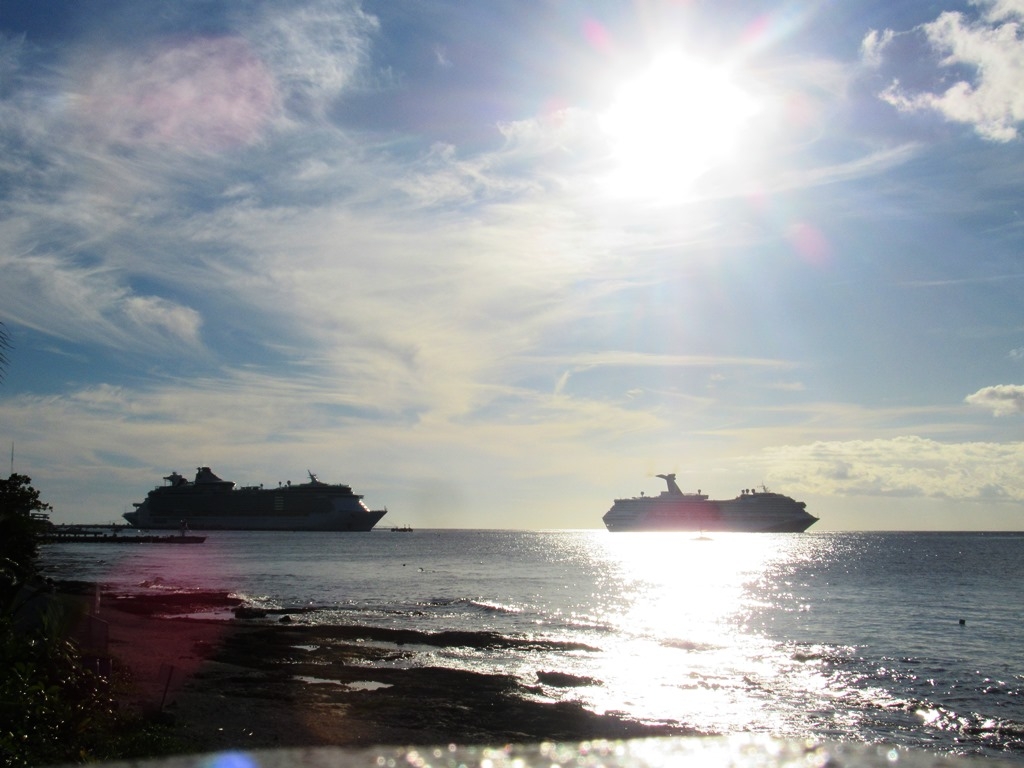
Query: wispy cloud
x=192, y=95
x=88, y=304
x=316, y=51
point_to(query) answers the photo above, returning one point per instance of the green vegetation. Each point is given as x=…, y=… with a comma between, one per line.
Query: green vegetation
x=21, y=522
x=53, y=708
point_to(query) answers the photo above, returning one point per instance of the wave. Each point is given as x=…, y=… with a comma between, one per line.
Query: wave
x=687, y=645
x=480, y=640
x=491, y=607
x=484, y=606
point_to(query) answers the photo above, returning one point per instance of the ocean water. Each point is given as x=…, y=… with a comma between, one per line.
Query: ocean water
x=909, y=639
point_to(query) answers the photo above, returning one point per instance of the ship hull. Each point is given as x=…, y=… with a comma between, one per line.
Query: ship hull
x=290, y=508
x=753, y=513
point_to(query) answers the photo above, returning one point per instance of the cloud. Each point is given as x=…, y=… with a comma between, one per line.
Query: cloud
x=205, y=93
x=90, y=305
x=162, y=316
x=192, y=93
x=120, y=157
x=873, y=46
x=1002, y=399
x=561, y=382
x=538, y=156
x=985, y=54
x=902, y=467
x=316, y=51
x=441, y=57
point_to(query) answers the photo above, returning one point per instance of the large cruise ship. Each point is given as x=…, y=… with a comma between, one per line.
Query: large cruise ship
x=209, y=503
x=756, y=511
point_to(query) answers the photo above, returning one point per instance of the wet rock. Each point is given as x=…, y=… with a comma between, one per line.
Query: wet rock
x=245, y=612
x=565, y=680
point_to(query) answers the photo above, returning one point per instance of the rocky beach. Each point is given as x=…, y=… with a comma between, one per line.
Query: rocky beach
x=268, y=681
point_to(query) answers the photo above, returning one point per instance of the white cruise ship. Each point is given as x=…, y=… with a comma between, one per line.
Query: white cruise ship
x=672, y=510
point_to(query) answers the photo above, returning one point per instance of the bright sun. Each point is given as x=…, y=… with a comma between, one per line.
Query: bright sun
x=675, y=121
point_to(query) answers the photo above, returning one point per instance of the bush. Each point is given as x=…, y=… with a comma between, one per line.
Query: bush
x=52, y=708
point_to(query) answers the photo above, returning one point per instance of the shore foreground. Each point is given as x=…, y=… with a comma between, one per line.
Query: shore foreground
x=274, y=682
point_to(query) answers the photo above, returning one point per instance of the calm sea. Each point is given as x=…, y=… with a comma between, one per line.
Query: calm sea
x=911, y=639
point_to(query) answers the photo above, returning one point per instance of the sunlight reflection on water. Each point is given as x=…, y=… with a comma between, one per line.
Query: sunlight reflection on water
x=681, y=647
x=679, y=585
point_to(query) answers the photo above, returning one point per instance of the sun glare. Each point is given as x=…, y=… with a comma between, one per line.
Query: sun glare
x=676, y=120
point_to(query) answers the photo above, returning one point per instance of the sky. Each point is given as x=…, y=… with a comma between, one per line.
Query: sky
x=497, y=264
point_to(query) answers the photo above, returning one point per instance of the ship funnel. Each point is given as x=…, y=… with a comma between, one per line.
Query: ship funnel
x=673, y=489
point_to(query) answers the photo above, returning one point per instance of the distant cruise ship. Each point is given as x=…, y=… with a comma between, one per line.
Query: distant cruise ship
x=210, y=503
x=673, y=510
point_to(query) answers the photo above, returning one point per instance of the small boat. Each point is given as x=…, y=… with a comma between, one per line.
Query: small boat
x=401, y=529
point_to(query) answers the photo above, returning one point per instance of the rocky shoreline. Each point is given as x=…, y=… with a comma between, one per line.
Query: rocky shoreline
x=280, y=682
